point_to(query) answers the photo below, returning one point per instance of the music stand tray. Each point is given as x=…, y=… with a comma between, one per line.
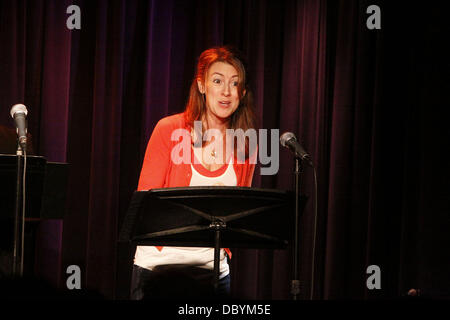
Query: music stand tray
x=212, y=216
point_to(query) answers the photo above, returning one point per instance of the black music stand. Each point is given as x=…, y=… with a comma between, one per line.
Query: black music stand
x=210, y=217
x=46, y=187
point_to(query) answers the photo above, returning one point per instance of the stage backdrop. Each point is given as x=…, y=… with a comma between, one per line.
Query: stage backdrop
x=366, y=103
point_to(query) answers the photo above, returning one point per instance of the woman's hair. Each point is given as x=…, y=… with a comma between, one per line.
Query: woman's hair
x=244, y=117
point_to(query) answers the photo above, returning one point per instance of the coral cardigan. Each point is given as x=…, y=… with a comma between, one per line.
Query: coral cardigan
x=159, y=171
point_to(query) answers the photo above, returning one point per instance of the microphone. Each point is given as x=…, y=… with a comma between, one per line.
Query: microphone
x=19, y=113
x=289, y=140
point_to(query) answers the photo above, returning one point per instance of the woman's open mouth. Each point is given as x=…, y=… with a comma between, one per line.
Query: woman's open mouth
x=225, y=104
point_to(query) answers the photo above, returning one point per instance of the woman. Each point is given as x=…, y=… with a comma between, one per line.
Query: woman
x=219, y=99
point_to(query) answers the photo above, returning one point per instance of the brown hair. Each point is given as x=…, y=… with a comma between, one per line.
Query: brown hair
x=244, y=117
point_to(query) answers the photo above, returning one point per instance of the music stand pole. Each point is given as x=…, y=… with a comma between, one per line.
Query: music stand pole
x=217, y=225
x=295, y=284
x=216, y=255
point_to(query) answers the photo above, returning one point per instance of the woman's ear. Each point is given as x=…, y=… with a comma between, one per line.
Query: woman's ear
x=201, y=88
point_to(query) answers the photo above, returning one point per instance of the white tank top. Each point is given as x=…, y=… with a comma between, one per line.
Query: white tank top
x=220, y=177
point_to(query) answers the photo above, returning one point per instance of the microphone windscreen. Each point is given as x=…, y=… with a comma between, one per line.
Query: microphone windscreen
x=286, y=137
x=18, y=108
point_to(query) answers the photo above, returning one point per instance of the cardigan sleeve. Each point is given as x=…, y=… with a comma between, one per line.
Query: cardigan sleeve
x=157, y=158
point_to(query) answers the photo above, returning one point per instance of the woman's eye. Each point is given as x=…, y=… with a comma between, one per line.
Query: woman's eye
x=216, y=80
x=235, y=83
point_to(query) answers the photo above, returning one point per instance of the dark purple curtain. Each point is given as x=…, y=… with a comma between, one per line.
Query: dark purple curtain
x=365, y=103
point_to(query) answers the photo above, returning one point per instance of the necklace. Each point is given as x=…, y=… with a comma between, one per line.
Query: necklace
x=213, y=153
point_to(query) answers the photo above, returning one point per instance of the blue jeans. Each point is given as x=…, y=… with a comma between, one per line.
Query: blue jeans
x=175, y=282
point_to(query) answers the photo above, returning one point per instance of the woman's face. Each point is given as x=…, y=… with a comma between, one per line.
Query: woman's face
x=221, y=91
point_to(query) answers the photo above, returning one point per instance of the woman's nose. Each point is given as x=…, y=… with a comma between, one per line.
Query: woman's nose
x=226, y=91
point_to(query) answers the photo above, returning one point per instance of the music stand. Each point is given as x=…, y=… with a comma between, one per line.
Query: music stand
x=210, y=217
x=46, y=186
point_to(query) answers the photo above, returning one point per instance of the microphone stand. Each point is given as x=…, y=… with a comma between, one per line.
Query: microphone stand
x=18, y=223
x=295, y=283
